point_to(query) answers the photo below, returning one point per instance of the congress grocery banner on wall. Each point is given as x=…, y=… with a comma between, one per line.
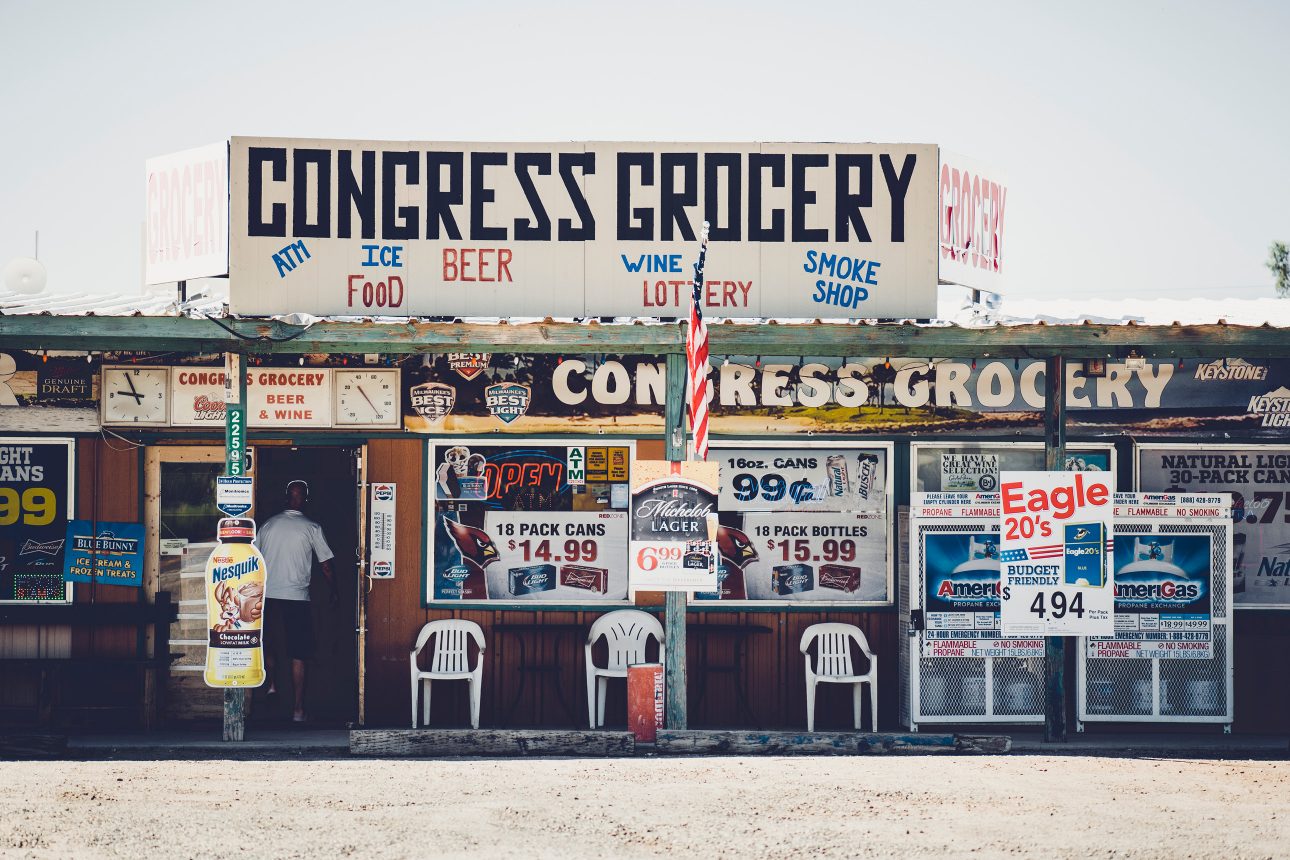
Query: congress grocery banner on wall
x=674, y=526
x=35, y=503
x=624, y=394
x=1055, y=534
x=1258, y=479
x=828, y=230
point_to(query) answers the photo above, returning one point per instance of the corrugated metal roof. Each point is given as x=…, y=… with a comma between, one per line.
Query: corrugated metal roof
x=161, y=304
x=956, y=307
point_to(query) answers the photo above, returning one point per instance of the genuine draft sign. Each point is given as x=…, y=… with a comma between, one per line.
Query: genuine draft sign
x=582, y=229
x=1055, y=534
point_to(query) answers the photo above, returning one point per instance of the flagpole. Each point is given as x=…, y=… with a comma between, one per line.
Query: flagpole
x=678, y=449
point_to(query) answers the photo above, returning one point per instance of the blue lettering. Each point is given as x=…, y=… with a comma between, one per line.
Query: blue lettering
x=872, y=277
x=810, y=265
x=633, y=267
x=828, y=262
x=284, y=265
x=371, y=257
x=819, y=291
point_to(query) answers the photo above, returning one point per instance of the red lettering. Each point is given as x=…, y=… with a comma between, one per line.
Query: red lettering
x=352, y=288
x=504, y=264
x=449, y=264
x=465, y=257
x=1012, y=500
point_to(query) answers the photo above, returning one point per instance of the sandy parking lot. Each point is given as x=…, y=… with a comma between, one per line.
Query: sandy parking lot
x=764, y=807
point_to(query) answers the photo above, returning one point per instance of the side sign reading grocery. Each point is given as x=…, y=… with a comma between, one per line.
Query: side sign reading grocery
x=673, y=526
x=1055, y=530
x=581, y=229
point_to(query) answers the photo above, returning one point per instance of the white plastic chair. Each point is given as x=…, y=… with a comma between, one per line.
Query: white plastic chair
x=450, y=661
x=626, y=631
x=833, y=666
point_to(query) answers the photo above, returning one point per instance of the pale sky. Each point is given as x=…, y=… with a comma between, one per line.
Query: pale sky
x=1146, y=145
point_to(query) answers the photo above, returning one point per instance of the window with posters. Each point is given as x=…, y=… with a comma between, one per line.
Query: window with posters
x=35, y=505
x=804, y=523
x=528, y=521
x=967, y=467
x=1258, y=477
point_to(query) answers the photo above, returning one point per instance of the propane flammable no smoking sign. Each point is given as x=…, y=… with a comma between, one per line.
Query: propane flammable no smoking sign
x=1054, y=554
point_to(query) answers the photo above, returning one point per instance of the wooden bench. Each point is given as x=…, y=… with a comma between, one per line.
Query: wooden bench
x=52, y=671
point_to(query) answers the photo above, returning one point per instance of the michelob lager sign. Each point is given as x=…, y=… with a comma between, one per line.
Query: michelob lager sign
x=1054, y=549
x=235, y=608
x=674, y=526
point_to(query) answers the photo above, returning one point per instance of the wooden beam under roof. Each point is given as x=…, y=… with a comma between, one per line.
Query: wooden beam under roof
x=187, y=334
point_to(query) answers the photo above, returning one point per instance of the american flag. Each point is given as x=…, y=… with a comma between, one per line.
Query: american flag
x=696, y=354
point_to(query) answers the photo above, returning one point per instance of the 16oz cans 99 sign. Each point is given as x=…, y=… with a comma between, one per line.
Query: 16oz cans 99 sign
x=1055, y=532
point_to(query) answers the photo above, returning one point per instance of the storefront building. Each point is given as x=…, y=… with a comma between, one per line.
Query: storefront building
x=480, y=468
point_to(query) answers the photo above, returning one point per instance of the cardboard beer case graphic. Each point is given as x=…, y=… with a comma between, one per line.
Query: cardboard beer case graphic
x=235, y=575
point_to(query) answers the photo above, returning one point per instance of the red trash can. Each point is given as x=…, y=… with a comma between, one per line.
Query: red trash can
x=645, y=701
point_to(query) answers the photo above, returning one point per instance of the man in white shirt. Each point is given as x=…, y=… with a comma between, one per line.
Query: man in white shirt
x=289, y=543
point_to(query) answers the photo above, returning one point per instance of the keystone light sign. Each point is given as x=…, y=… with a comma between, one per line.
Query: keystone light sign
x=599, y=229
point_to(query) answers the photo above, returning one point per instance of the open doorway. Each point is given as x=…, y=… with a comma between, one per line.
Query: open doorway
x=331, y=679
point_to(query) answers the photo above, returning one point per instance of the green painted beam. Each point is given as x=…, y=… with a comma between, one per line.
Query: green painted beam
x=183, y=334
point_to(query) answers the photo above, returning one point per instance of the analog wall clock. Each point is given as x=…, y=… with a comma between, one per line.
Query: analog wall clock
x=138, y=396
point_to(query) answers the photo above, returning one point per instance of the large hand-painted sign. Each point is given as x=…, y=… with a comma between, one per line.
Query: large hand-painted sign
x=582, y=229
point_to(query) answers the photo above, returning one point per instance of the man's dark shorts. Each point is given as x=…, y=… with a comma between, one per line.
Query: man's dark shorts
x=292, y=623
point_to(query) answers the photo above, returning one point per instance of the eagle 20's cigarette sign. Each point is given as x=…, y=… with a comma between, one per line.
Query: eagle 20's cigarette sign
x=1055, y=530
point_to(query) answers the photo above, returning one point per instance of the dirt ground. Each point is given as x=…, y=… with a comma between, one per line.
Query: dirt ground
x=764, y=807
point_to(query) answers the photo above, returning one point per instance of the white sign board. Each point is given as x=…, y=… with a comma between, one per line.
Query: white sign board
x=186, y=227
x=582, y=229
x=972, y=216
x=1054, y=554
x=673, y=526
x=234, y=495
x=275, y=396
x=381, y=539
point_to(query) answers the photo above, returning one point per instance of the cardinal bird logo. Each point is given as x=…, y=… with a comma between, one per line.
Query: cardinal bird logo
x=474, y=544
x=735, y=546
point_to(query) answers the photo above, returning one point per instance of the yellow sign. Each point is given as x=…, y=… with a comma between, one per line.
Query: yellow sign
x=597, y=464
x=235, y=614
x=618, y=464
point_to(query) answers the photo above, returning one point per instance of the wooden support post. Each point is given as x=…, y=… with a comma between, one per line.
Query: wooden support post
x=234, y=465
x=674, y=611
x=1055, y=461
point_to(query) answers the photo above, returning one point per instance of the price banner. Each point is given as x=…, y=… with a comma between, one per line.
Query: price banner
x=674, y=525
x=35, y=500
x=559, y=556
x=1258, y=478
x=804, y=479
x=1055, y=533
x=823, y=557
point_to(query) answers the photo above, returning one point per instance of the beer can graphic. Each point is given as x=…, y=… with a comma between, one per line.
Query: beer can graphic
x=1085, y=554
x=839, y=480
x=867, y=465
x=531, y=579
x=792, y=578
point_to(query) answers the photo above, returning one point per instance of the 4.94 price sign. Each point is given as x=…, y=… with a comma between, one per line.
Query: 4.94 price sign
x=1055, y=533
